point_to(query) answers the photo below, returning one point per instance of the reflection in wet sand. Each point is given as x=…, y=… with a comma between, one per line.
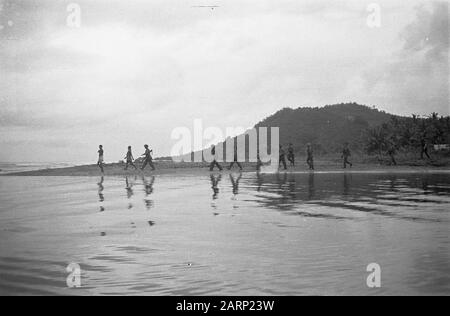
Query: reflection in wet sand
x=129, y=188
x=279, y=234
x=375, y=194
x=101, y=197
x=259, y=181
x=215, y=179
x=235, y=189
x=148, y=185
x=346, y=185
x=235, y=183
x=311, y=189
x=101, y=188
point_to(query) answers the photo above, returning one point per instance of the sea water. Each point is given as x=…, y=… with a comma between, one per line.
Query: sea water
x=229, y=234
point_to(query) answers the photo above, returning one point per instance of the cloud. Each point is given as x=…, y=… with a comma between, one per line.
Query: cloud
x=429, y=33
x=136, y=70
x=415, y=78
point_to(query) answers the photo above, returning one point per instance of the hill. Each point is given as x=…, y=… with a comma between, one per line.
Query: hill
x=327, y=128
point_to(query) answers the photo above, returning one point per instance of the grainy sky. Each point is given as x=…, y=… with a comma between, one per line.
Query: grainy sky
x=136, y=69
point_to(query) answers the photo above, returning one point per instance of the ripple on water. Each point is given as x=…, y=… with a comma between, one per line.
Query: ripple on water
x=243, y=234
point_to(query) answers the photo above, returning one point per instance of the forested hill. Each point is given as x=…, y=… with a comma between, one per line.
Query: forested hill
x=367, y=130
x=327, y=128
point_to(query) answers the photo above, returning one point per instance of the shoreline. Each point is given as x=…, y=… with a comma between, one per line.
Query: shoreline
x=165, y=168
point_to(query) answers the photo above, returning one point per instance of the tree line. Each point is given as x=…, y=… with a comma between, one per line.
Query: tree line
x=409, y=134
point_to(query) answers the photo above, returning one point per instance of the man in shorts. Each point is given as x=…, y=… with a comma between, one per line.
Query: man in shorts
x=101, y=160
x=129, y=158
x=148, y=160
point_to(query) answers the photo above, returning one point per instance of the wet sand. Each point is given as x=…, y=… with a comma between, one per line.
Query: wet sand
x=162, y=168
x=226, y=234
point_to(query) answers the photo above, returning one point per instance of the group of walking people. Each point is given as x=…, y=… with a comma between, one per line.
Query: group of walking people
x=346, y=154
x=129, y=159
x=283, y=156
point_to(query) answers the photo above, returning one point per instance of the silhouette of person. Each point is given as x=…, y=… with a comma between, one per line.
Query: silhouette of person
x=214, y=163
x=258, y=162
x=148, y=160
x=424, y=148
x=235, y=158
x=235, y=161
x=291, y=156
x=391, y=152
x=310, y=156
x=346, y=153
x=129, y=158
x=283, y=158
x=101, y=160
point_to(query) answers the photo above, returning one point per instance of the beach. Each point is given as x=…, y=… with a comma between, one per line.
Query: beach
x=202, y=233
x=246, y=149
x=169, y=167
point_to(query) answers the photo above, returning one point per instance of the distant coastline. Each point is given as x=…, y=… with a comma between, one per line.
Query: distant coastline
x=16, y=167
x=165, y=167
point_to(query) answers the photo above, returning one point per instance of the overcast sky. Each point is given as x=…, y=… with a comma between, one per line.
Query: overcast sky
x=136, y=69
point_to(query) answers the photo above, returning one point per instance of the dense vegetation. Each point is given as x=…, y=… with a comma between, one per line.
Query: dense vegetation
x=408, y=134
x=366, y=129
x=326, y=128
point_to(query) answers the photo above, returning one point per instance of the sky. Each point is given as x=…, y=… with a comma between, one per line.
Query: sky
x=129, y=72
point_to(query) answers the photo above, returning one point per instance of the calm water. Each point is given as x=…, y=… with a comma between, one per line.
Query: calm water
x=10, y=167
x=246, y=234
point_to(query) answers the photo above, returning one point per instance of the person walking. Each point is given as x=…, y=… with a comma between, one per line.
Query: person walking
x=214, y=163
x=291, y=156
x=345, y=155
x=235, y=158
x=148, y=160
x=283, y=158
x=391, y=152
x=129, y=159
x=101, y=160
x=310, y=156
x=235, y=161
x=424, y=149
x=259, y=163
